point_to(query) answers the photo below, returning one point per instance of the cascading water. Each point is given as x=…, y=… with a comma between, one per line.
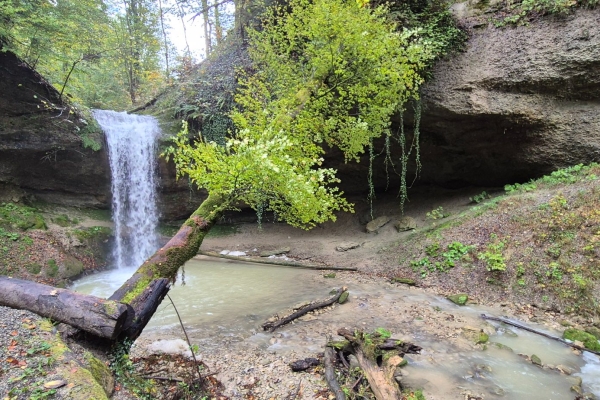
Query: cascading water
x=131, y=143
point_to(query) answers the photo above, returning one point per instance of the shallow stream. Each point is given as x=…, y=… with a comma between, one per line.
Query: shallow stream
x=223, y=303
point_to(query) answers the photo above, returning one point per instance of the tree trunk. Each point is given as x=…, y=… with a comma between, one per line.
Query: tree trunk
x=142, y=291
x=102, y=318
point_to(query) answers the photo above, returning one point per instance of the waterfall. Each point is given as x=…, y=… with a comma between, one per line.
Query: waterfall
x=131, y=143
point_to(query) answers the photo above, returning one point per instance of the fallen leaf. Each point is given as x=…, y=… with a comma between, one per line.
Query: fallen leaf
x=13, y=361
x=14, y=333
x=70, y=385
x=53, y=293
x=55, y=384
x=32, y=326
x=12, y=345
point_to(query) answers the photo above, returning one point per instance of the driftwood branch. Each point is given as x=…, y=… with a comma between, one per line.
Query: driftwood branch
x=270, y=326
x=526, y=328
x=330, y=374
x=276, y=262
x=380, y=379
x=102, y=318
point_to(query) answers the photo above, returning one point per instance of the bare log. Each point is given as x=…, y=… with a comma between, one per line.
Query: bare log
x=526, y=328
x=330, y=374
x=276, y=262
x=270, y=326
x=102, y=318
x=383, y=387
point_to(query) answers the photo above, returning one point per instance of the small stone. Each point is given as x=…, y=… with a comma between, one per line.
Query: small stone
x=377, y=223
x=497, y=390
x=460, y=298
x=535, y=360
x=345, y=246
x=564, y=369
x=501, y=346
x=405, y=224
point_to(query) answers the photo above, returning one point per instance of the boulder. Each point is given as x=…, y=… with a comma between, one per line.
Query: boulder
x=405, y=224
x=345, y=246
x=459, y=298
x=377, y=223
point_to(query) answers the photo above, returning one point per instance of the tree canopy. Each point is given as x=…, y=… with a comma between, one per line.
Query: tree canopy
x=328, y=73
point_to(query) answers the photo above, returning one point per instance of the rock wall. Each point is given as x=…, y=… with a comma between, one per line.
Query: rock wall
x=41, y=153
x=518, y=103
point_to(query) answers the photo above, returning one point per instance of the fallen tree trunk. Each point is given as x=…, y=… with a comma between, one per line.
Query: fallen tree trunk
x=270, y=326
x=526, y=328
x=276, y=262
x=100, y=317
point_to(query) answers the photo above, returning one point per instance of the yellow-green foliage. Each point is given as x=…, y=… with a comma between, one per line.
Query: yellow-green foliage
x=330, y=72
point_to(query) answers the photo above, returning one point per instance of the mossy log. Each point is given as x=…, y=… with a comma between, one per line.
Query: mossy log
x=271, y=325
x=100, y=317
x=368, y=348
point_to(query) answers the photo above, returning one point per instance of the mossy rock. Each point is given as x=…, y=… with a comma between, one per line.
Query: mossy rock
x=404, y=281
x=34, y=221
x=460, y=298
x=535, y=360
x=482, y=338
x=72, y=267
x=344, y=297
x=588, y=340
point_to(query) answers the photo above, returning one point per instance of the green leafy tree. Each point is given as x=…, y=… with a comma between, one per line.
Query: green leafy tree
x=330, y=73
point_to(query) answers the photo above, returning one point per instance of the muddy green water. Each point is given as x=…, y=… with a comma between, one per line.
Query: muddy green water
x=225, y=302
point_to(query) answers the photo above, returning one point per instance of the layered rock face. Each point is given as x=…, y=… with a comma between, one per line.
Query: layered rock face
x=41, y=153
x=518, y=103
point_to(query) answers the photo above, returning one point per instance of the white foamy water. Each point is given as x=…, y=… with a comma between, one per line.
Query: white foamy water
x=131, y=141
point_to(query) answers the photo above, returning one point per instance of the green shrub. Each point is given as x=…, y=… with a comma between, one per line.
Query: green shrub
x=492, y=256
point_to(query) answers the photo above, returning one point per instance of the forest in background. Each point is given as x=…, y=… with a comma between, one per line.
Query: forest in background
x=110, y=54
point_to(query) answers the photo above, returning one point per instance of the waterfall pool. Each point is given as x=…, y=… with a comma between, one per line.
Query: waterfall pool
x=223, y=304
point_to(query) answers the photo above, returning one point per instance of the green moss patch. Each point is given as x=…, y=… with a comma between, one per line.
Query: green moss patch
x=588, y=340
